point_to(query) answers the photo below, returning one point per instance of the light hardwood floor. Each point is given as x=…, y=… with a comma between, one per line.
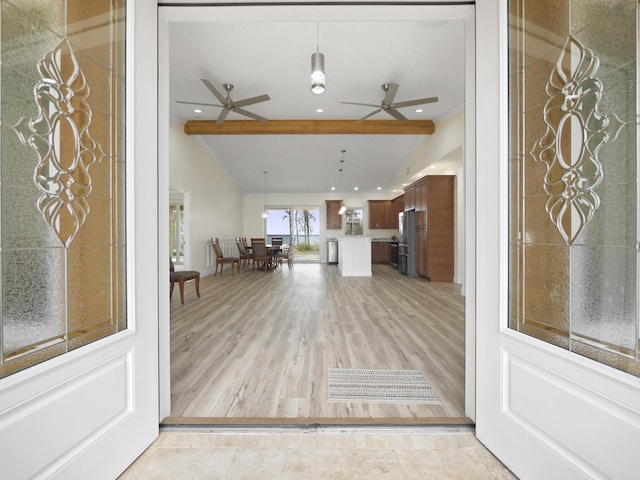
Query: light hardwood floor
x=259, y=345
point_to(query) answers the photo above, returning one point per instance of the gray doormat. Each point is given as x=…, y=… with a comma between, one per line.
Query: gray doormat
x=388, y=386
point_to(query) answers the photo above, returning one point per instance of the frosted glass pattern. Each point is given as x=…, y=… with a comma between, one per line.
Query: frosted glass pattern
x=573, y=177
x=62, y=177
x=575, y=133
x=60, y=136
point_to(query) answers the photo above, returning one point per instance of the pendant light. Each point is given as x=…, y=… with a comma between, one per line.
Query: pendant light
x=317, y=68
x=342, y=207
x=265, y=213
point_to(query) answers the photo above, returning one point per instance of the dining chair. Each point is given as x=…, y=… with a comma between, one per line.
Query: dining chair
x=287, y=254
x=221, y=259
x=260, y=254
x=247, y=247
x=276, y=247
x=181, y=277
x=245, y=256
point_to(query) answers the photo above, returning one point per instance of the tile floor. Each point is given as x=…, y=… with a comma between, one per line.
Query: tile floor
x=320, y=453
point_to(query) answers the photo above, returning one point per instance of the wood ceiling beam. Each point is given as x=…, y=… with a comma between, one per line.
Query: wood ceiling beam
x=309, y=127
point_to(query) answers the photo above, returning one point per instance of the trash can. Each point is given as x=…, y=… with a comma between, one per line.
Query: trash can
x=332, y=251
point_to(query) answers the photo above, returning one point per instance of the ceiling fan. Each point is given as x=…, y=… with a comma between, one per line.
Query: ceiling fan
x=228, y=105
x=387, y=104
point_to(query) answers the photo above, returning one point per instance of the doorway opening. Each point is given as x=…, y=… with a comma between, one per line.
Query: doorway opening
x=300, y=225
x=315, y=274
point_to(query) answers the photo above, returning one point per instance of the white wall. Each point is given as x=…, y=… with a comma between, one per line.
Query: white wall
x=441, y=149
x=213, y=202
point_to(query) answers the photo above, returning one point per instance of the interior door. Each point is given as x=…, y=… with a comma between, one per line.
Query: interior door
x=90, y=412
x=544, y=407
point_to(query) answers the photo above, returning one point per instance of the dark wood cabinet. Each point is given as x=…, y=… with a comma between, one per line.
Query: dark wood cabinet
x=397, y=206
x=380, y=252
x=334, y=220
x=381, y=215
x=434, y=204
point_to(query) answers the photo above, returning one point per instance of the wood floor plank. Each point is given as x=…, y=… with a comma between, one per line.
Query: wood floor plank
x=258, y=345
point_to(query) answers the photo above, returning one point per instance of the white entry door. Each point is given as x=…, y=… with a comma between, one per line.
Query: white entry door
x=545, y=411
x=88, y=413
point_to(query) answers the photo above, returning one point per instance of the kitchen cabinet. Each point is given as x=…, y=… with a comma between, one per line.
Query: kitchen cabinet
x=334, y=221
x=354, y=259
x=422, y=248
x=421, y=189
x=409, y=198
x=381, y=215
x=434, y=204
x=381, y=252
x=397, y=205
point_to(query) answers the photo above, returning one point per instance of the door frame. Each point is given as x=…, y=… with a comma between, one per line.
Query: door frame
x=457, y=10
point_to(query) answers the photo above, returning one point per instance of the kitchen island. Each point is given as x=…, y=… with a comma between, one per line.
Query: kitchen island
x=354, y=256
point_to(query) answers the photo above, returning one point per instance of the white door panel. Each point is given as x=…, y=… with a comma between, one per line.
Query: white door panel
x=545, y=412
x=89, y=413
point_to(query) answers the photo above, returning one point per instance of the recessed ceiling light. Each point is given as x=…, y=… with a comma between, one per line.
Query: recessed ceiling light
x=197, y=110
x=432, y=166
x=404, y=184
x=419, y=110
x=333, y=188
x=319, y=110
x=379, y=188
x=356, y=188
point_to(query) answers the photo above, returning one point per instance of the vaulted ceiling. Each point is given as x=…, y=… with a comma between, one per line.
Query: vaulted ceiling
x=426, y=59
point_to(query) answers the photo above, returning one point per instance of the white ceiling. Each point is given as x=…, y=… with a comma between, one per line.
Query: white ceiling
x=425, y=58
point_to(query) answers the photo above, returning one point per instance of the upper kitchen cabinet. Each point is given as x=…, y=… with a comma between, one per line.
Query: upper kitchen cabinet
x=397, y=205
x=380, y=214
x=334, y=220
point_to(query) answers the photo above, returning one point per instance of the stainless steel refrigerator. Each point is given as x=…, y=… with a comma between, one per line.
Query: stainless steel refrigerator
x=407, y=243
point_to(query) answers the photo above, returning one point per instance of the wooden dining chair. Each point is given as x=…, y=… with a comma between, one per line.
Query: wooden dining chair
x=286, y=255
x=245, y=256
x=181, y=277
x=259, y=254
x=221, y=260
x=247, y=247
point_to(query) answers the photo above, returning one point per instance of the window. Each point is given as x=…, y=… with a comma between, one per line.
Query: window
x=574, y=169
x=63, y=178
x=302, y=224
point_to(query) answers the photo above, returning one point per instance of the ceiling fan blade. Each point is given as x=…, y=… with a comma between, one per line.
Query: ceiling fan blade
x=200, y=103
x=214, y=90
x=396, y=114
x=223, y=115
x=251, y=101
x=392, y=89
x=363, y=104
x=410, y=103
x=251, y=115
x=370, y=115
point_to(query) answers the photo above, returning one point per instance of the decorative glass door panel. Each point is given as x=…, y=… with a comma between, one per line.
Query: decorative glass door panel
x=62, y=175
x=573, y=166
